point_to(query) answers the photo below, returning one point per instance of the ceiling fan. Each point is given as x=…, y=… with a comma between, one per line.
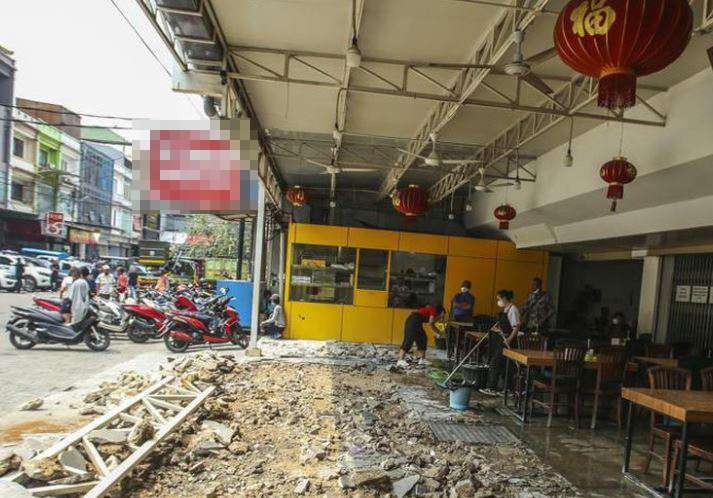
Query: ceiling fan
x=521, y=68
x=332, y=169
x=483, y=186
x=434, y=159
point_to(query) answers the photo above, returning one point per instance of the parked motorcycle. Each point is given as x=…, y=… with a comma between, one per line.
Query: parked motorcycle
x=31, y=326
x=147, y=319
x=111, y=316
x=217, y=323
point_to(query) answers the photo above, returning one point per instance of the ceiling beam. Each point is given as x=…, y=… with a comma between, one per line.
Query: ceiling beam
x=488, y=50
x=556, y=110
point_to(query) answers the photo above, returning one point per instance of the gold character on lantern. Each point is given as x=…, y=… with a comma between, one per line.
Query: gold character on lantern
x=592, y=17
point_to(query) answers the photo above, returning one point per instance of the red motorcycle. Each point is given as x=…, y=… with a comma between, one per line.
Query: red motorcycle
x=48, y=303
x=218, y=323
x=146, y=320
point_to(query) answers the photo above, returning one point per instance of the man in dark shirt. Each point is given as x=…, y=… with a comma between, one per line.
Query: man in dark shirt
x=133, y=281
x=463, y=304
x=538, y=308
x=19, y=272
x=413, y=331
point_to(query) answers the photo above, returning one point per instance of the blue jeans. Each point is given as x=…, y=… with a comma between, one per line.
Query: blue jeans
x=132, y=292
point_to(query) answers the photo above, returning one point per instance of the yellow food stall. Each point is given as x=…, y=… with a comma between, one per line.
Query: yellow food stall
x=359, y=285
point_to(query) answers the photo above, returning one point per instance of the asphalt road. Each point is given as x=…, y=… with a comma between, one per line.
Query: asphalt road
x=48, y=368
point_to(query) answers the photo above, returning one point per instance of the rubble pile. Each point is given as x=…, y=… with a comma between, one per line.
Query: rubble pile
x=111, y=394
x=328, y=349
x=294, y=429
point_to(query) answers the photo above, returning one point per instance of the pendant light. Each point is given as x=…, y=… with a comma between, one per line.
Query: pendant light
x=568, y=158
x=353, y=52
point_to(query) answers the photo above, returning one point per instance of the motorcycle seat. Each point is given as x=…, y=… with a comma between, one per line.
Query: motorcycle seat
x=52, y=300
x=52, y=315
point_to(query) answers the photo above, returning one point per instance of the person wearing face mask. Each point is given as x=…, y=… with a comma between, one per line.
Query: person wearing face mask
x=501, y=336
x=463, y=304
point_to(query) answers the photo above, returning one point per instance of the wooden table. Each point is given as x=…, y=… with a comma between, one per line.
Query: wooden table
x=538, y=359
x=664, y=362
x=684, y=406
x=455, y=338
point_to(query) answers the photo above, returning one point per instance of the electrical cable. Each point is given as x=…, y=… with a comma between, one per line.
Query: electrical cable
x=136, y=31
x=101, y=127
x=82, y=114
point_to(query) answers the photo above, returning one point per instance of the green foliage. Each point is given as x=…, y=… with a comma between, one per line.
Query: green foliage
x=212, y=237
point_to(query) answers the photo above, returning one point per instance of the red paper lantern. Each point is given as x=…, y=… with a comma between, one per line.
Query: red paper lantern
x=617, y=173
x=297, y=196
x=411, y=201
x=618, y=40
x=505, y=214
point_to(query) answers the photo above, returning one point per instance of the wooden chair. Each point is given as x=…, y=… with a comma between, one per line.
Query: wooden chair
x=659, y=350
x=609, y=381
x=532, y=342
x=707, y=379
x=665, y=378
x=565, y=381
x=698, y=450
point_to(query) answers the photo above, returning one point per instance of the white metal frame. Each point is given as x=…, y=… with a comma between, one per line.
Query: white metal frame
x=166, y=403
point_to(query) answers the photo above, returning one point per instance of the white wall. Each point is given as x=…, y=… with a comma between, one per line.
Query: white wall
x=686, y=139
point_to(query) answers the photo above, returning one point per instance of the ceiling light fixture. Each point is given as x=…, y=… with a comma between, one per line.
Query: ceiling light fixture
x=353, y=55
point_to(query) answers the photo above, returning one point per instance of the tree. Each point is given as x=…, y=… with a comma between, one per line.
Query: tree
x=211, y=237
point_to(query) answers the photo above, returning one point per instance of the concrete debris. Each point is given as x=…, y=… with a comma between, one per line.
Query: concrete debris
x=403, y=486
x=302, y=487
x=43, y=469
x=8, y=461
x=108, y=436
x=9, y=489
x=71, y=457
x=32, y=404
x=112, y=462
x=141, y=432
x=222, y=432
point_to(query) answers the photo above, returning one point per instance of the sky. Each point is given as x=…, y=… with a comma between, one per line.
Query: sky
x=83, y=55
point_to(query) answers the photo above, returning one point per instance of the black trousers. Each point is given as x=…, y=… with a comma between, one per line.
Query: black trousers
x=496, y=360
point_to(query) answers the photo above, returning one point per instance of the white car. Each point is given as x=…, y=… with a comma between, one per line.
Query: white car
x=35, y=275
x=7, y=277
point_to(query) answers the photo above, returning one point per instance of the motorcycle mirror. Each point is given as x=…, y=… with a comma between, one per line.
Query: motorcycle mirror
x=223, y=290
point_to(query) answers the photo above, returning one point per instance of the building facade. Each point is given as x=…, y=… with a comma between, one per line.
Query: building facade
x=7, y=86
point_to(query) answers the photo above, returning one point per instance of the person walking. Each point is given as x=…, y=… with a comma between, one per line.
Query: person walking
x=122, y=283
x=79, y=296
x=54, y=277
x=414, y=333
x=105, y=283
x=133, y=282
x=537, y=309
x=501, y=336
x=19, y=273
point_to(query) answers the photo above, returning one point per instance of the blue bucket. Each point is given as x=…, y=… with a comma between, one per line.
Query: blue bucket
x=460, y=398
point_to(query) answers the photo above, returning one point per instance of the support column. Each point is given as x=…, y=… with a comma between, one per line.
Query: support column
x=649, y=300
x=281, y=275
x=253, y=350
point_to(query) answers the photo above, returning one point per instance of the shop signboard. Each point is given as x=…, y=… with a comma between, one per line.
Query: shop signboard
x=683, y=294
x=53, y=225
x=79, y=236
x=196, y=166
x=699, y=294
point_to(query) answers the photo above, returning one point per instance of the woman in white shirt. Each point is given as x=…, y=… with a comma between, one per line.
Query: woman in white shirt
x=502, y=335
x=275, y=325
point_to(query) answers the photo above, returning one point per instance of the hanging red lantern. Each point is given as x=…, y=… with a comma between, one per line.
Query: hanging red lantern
x=617, y=173
x=411, y=201
x=617, y=41
x=505, y=214
x=297, y=196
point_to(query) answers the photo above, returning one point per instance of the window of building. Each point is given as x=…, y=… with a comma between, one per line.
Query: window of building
x=416, y=279
x=18, y=147
x=44, y=157
x=322, y=274
x=17, y=191
x=372, y=269
x=63, y=165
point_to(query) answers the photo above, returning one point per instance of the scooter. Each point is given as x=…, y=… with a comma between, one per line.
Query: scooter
x=218, y=324
x=31, y=326
x=147, y=319
x=111, y=317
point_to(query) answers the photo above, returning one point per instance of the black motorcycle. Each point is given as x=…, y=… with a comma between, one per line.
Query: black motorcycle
x=30, y=326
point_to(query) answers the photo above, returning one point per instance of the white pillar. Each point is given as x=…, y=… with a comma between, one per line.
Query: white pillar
x=649, y=300
x=281, y=268
x=257, y=269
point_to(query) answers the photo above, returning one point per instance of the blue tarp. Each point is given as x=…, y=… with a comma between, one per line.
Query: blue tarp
x=31, y=251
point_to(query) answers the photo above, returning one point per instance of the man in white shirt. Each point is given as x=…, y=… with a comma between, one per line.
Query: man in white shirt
x=105, y=283
x=275, y=325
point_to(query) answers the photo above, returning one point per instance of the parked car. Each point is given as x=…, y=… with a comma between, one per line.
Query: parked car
x=35, y=276
x=7, y=277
